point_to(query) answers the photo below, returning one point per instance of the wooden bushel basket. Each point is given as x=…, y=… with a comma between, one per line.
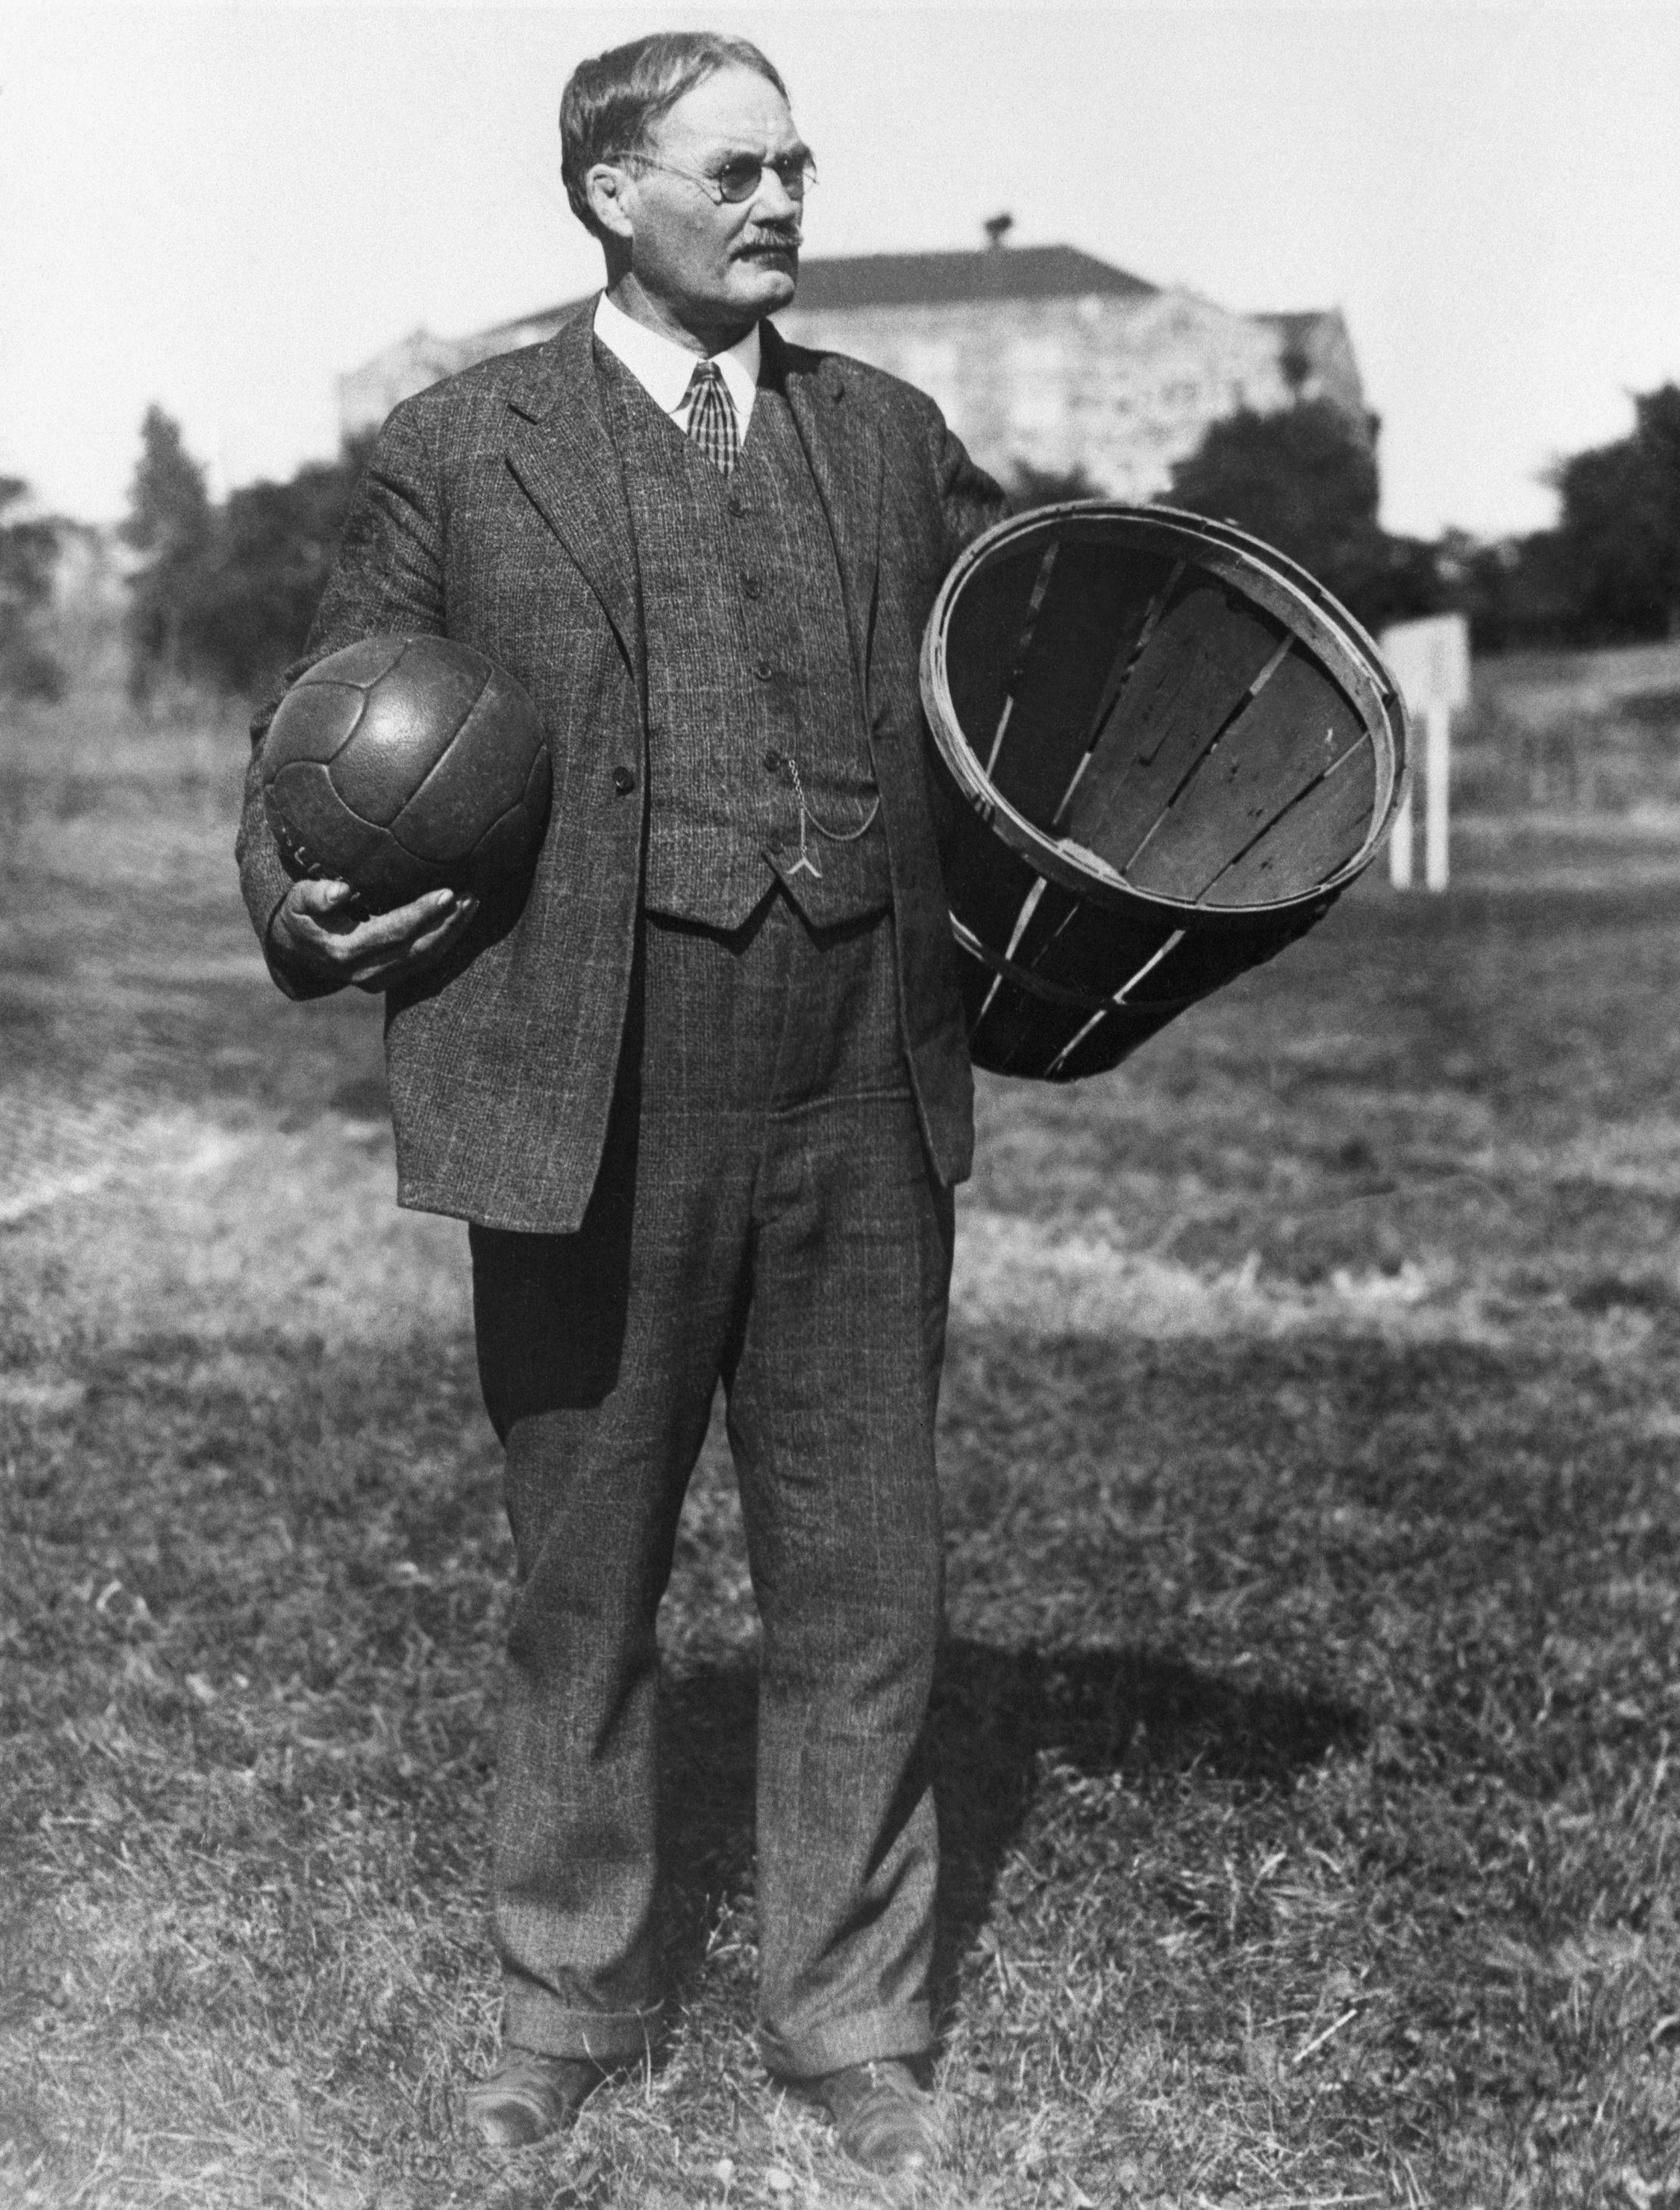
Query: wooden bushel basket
x=1163, y=751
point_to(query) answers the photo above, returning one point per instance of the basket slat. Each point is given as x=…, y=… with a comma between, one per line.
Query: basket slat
x=1092, y=616
x=1290, y=733
x=985, y=631
x=1190, y=677
x=1315, y=838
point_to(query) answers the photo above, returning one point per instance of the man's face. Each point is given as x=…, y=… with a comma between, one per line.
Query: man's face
x=716, y=268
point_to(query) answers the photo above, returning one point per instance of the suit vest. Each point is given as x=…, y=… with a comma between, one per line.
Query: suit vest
x=755, y=717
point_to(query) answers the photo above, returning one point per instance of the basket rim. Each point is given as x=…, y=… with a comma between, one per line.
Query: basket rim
x=1284, y=589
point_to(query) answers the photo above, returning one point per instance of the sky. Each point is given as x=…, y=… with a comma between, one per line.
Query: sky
x=223, y=207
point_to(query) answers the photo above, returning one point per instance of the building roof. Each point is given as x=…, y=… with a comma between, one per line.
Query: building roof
x=925, y=280
x=948, y=279
x=1294, y=327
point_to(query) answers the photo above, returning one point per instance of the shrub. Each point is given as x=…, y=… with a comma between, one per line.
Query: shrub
x=28, y=555
x=226, y=594
x=1619, y=534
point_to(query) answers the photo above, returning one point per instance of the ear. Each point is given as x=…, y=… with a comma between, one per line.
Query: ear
x=605, y=186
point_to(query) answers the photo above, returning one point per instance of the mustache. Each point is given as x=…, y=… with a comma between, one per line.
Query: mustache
x=781, y=237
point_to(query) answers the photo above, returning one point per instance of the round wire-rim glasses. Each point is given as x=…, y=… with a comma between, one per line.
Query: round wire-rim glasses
x=742, y=175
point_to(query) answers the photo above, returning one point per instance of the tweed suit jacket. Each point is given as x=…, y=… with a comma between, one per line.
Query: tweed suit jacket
x=493, y=510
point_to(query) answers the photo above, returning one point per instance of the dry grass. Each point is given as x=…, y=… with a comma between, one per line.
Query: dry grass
x=1595, y=731
x=1305, y=1724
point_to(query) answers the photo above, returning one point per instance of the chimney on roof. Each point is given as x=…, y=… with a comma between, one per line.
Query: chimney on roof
x=998, y=230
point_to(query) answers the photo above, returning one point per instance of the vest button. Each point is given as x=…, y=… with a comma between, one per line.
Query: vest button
x=751, y=586
x=735, y=505
x=762, y=670
x=624, y=781
x=771, y=762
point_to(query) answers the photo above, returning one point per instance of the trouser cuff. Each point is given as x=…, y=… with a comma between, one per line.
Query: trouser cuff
x=532, y=2019
x=865, y=2038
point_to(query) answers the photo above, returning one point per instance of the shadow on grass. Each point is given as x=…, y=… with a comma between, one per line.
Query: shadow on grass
x=997, y=1714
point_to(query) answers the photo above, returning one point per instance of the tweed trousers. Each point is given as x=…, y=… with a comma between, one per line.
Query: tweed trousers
x=766, y=1216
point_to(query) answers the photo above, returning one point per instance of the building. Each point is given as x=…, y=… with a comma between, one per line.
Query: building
x=1041, y=357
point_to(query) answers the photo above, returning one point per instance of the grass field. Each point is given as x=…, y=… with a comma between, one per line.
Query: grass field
x=1311, y=1450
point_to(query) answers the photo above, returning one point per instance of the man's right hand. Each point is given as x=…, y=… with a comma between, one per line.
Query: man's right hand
x=318, y=926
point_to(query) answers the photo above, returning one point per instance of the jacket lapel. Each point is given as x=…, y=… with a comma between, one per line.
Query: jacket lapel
x=562, y=452
x=844, y=449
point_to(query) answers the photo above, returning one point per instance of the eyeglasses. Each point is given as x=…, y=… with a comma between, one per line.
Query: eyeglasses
x=741, y=176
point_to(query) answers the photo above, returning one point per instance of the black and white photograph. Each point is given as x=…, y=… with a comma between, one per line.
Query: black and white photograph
x=840, y=1106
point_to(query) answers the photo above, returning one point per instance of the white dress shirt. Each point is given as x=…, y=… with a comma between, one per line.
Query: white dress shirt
x=664, y=369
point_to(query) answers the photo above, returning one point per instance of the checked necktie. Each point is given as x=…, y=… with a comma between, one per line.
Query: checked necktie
x=712, y=417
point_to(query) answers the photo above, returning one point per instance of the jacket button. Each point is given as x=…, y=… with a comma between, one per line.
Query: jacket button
x=735, y=505
x=762, y=670
x=771, y=762
x=624, y=781
x=751, y=586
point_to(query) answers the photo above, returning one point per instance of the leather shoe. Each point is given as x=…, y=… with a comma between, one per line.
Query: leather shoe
x=529, y=2096
x=886, y=2122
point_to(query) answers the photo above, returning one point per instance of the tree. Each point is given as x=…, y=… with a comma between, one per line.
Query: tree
x=227, y=594
x=267, y=565
x=169, y=521
x=1619, y=530
x=1514, y=591
x=1031, y=487
x=1304, y=479
x=29, y=554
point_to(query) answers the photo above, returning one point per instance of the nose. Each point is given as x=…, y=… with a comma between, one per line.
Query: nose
x=773, y=197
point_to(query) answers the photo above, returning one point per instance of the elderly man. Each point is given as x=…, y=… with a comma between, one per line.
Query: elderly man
x=703, y=1095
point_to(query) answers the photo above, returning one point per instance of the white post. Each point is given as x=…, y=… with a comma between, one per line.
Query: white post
x=1430, y=662
x=1400, y=846
x=1437, y=742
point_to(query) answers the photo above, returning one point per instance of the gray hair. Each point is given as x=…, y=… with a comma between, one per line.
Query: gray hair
x=611, y=103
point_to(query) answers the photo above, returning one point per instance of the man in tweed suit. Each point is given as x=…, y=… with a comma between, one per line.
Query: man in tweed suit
x=704, y=1093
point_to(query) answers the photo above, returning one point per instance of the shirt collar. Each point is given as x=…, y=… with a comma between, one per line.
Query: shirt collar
x=663, y=368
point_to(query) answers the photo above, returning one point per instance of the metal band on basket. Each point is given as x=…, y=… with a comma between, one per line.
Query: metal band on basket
x=1163, y=751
